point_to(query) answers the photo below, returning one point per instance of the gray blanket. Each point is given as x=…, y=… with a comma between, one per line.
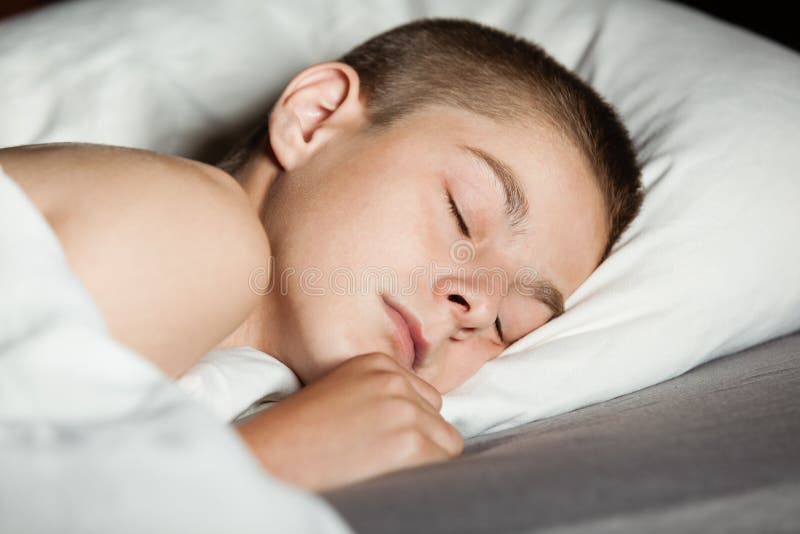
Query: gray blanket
x=714, y=450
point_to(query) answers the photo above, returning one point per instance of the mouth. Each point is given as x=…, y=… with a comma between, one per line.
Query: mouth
x=408, y=333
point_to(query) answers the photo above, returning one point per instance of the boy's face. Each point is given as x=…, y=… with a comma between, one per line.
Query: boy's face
x=367, y=222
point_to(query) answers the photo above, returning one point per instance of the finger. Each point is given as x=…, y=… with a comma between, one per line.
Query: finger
x=442, y=433
x=430, y=452
x=424, y=389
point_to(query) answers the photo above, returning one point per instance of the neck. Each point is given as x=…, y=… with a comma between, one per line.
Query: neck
x=256, y=177
x=260, y=329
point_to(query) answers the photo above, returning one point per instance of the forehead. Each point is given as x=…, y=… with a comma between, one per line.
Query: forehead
x=566, y=227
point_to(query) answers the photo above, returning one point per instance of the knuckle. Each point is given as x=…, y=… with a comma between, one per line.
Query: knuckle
x=405, y=412
x=392, y=383
x=457, y=441
x=378, y=360
x=411, y=443
x=399, y=412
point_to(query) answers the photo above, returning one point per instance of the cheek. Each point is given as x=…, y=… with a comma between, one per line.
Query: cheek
x=401, y=227
x=462, y=361
x=522, y=314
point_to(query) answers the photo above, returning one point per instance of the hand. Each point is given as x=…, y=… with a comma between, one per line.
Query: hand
x=365, y=417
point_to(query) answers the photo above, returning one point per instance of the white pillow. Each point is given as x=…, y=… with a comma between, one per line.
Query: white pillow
x=709, y=267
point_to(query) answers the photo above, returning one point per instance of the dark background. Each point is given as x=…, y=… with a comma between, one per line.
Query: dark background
x=772, y=19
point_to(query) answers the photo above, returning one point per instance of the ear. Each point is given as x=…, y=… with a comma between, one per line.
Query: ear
x=319, y=103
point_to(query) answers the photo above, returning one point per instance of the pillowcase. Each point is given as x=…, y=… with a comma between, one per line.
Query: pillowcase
x=708, y=268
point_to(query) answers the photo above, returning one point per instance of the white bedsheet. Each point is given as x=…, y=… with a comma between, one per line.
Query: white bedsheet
x=236, y=382
x=93, y=438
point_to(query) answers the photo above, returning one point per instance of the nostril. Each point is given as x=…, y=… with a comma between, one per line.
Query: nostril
x=459, y=299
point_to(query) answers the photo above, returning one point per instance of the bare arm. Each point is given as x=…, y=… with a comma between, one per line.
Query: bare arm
x=164, y=245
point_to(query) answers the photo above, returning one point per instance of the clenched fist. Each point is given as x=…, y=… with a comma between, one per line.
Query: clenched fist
x=365, y=417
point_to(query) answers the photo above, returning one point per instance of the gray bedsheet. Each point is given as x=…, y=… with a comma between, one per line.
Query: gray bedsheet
x=716, y=449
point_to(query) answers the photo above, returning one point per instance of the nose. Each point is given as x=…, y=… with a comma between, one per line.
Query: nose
x=473, y=311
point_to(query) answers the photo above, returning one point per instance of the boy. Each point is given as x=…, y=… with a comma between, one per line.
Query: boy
x=441, y=150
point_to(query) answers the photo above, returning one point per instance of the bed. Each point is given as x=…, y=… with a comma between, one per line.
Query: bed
x=665, y=399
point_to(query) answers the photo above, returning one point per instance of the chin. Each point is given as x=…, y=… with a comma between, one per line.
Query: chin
x=315, y=368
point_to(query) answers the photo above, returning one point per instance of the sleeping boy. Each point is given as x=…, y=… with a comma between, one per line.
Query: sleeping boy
x=479, y=178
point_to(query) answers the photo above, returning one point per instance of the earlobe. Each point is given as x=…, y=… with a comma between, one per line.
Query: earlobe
x=320, y=102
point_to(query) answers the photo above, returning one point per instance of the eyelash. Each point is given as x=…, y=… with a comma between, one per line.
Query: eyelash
x=459, y=219
x=499, y=329
x=463, y=227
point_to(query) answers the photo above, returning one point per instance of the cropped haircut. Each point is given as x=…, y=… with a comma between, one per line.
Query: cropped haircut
x=471, y=66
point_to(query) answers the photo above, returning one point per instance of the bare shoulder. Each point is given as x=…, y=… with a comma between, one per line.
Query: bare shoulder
x=165, y=245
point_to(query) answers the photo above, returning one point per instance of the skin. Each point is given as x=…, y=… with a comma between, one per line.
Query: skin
x=336, y=198
x=170, y=250
x=148, y=235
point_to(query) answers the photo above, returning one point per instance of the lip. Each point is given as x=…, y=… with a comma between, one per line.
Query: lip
x=408, y=333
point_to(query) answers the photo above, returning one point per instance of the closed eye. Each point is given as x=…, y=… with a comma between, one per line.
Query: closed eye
x=454, y=210
x=499, y=329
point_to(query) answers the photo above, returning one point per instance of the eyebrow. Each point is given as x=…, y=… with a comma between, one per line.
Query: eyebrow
x=516, y=204
x=544, y=291
x=517, y=210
